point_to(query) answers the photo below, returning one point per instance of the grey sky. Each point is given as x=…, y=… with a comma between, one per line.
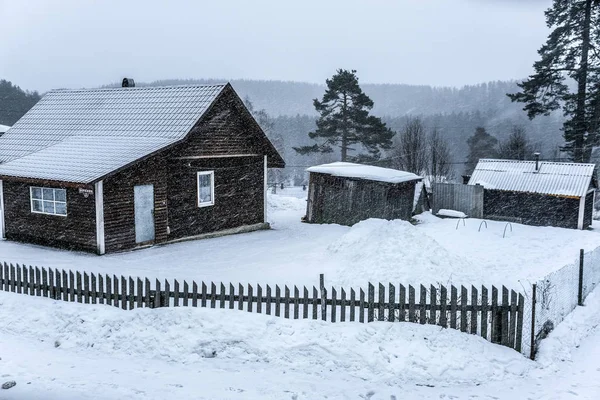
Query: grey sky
x=72, y=43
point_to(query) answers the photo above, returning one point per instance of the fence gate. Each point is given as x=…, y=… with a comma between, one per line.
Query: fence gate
x=453, y=196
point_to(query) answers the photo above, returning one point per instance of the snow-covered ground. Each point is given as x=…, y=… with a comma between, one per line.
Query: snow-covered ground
x=59, y=350
x=433, y=251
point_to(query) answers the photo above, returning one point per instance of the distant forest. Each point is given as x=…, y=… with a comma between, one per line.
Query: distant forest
x=455, y=112
x=14, y=102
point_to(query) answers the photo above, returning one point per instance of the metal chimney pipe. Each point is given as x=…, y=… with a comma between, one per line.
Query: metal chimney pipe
x=537, y=161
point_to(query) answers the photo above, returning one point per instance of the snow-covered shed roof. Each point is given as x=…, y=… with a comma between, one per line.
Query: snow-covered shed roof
x=351, y=170
x=556, y=178
x=4, y=128
x=81, y=135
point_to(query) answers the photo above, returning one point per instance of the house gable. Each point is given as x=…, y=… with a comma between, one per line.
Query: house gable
x=227, y=129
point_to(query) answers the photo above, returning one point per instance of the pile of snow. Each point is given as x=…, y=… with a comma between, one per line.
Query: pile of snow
x=451, y=213
x=390, y=353
x=351, y=170
x=395, y=251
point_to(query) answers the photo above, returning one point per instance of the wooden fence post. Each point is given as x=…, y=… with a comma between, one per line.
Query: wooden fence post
x=401, y=303
x=443, y=321
x=371, y=303
x=194, y=294
x=186, y=293
x=286, y=302
x=259, y=293
x=533, y=302
x=411, y=304
x=580, y=288
x=231, y=296
x=157, y=295
x=343, y=306
x=423, y=306
x=296, y=302
x=323, y=297
x=463, y=308
x=269, y=301
x=381, y=308
x=277, y=301
x=315, y=303
x=432, y=305
x=496, y=318
x=484, y=312
x=474, y=301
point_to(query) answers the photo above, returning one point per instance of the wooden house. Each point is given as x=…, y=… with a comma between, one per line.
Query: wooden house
x=346, y=193
x=111, y=169
x=537, y=193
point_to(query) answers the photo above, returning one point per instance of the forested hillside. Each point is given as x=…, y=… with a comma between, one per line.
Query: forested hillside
x=292, y=98
x=455, y=112
x=14, y=102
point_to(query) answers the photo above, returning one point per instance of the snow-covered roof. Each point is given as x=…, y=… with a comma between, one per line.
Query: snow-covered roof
x=81, y=135
x=556, y=178
x=4, y=128
x=351, y=170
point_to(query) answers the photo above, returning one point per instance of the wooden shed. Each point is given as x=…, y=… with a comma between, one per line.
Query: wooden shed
x=538, y=193
x=346, y=193
x=105, y=170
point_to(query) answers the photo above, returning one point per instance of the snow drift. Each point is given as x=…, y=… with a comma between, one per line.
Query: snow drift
x=391, y=353
x=395, y=251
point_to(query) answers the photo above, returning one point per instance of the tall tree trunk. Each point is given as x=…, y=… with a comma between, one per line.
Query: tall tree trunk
x=345, y=128
x=580, y=152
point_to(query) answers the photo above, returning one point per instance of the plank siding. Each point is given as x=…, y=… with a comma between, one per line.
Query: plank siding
x=119, y=211
x=239, y=194
x=347, y=201
x=76, y=231
x=227, y=129
x=531, y=208
x=589, y=210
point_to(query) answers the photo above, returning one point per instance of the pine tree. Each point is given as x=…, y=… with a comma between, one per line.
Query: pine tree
x=481, y=145
x=345, y=121
x=571, y=51
x=517, y=146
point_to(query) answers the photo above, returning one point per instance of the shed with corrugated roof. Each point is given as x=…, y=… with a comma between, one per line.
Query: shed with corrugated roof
x=539, y=193
x=112, y=169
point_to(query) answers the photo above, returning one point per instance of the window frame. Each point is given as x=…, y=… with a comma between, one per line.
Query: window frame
x=31, y=199
x=212, y=189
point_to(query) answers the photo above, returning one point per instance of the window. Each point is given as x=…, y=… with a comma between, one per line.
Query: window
x=206, y=188
x=48, y=201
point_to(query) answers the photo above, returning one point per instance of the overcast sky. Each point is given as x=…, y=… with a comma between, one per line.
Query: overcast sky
x=75, y=43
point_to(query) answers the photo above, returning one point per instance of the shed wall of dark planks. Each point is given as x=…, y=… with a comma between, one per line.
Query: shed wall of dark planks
x=346, y=201
x=531, y=208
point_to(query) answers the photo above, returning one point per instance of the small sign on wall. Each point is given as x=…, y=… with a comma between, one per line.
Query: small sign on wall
x=86, y=192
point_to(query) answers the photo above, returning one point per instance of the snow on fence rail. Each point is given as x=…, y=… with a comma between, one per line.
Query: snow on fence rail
x=496, y=315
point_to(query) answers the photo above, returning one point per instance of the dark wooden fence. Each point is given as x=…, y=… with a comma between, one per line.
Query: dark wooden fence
x=495, y=315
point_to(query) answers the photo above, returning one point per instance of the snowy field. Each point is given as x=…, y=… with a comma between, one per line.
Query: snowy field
x=68, y=351
x=57, y=350
x=434, y=251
